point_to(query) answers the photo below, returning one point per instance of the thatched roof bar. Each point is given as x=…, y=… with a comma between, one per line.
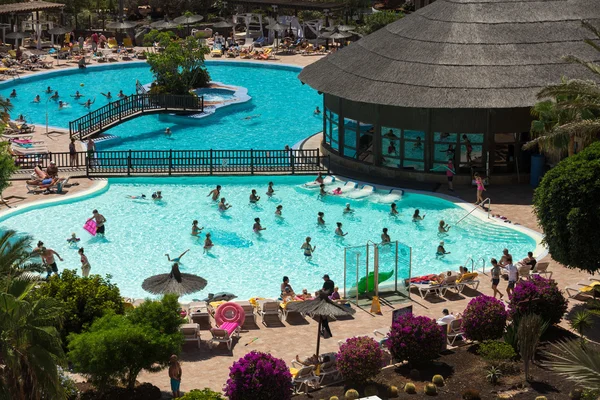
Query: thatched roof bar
x=30, y=6
x=296, y=4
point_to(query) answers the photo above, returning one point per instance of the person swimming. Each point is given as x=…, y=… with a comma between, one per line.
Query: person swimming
x=441, y=251
x=320, y=219
x=337, y=191
x=385, y=238
x=157, y=195
x=37, y=99
x=278, y=211
x=13, y=94
x=73, y=239
x=251, y=117
x=215, y=193
x=443, y=227
x=62, y=104
x=168, y=132
x=208, y=243
x=257, y=227
x=338, y=230
x=317, y=111
x=253, y=197
x=77, y=95
x=107, y=95
x=348, y=210
x=195, y=229
x=417, y=217
x=49, y=90
x=121, y=94
x=55, y=96
x=176, y=259
x=393, y=209
x=89, y=103
x=322, y=192
x=308, y=249
x=270, y=190
x=223, y=206
x=141, y=197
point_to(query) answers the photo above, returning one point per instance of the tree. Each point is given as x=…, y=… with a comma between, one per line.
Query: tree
x=180, y=67
x=119, y=347
x=163, y=38
x=576, y=362
x=378, y=20
x=573, y=111
x=84, y=299
x=567, y=208
x=30, y=347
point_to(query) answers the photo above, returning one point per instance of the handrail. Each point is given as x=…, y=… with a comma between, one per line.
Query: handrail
x=482, y=264
x=472, y=263
x=137, y=104
x=488, y=200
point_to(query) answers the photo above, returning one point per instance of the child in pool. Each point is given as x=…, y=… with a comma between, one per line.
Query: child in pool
x=443, y=227
x=338, y=230
x=417, y=216
x=337, y=191
x=278, y=211
x=208, y=244
x=320, y=219
x=394, y=210
x=73, y=239
x=348, y=210
x=253, y=197
x=441, y=251
x=270, y=190
x=195, y=229
x=222, y=205
x=322, y=192
x=157, y=195
x=257, y=228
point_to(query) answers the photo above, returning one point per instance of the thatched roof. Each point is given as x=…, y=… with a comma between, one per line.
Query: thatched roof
x=462, y=54
x=29, y=6
x=174, y=282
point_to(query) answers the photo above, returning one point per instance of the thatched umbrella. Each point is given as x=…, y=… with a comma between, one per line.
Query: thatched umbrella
x=17, y=36
x=223, y=24
x=188, y=20
x=120, y=25
x=164, y=24
x=174, y=282
x=59, y=30
x=321, y=307
x=345, y=28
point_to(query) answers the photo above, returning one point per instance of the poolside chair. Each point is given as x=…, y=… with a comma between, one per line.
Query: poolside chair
x=268, y=310
x=541, y=268
x=225, y=334
x=191, y=333
x=455, y=330
x=21, y=128
x=248, y=311
x=112, y=43
x=128, y=44
x=217, y=50
x=21, y=151
x=381, y=331
x=425, y=289
x=285, y=312
x=468, y=279
x=329, y=368
x=304, y=376
x=198, y=314
x=524, y=271
x=259, y=42
x=22, y=136
x=56, y=184
x=584, y=288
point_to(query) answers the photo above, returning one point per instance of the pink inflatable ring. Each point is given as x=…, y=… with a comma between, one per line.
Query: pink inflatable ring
x=230, y=312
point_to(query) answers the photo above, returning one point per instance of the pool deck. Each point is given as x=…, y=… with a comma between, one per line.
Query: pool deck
x=209, y=368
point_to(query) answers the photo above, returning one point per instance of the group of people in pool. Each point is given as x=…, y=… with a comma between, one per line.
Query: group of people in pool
x=63, y=104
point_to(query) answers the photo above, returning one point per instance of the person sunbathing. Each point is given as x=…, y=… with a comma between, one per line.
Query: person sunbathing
x=305, y=295
x=312, y=360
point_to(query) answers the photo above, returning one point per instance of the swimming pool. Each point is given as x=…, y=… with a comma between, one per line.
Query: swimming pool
x=140, y=232
x=279, y=113
x=216, y=94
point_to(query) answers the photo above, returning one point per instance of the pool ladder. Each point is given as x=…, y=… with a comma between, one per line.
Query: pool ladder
x=488, y=201
x=473, y=264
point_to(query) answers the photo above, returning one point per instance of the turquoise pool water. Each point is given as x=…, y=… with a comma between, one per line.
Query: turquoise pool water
x=140, y=232
x=280, y=112
x=216, y=94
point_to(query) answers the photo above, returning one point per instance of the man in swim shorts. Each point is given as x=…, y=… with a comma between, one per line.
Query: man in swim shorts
x=48, y=258
x=100, y=220
x=175, y=375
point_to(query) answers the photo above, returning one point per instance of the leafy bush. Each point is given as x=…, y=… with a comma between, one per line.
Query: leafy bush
x=83, y=299
x=259, y=376
x=484, y=318
x=496, y=351
x=162, y=37
x=378, y=20
x=417, y=340
x=538, y=296
x=566, y=205
x=471, y=394
x=205, y=394
x=360, y=359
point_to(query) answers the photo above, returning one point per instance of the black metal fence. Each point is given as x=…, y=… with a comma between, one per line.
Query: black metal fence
x=181, y=162
x=98, y=120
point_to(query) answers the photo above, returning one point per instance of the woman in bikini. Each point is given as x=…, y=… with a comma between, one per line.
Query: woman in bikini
x=308, y=249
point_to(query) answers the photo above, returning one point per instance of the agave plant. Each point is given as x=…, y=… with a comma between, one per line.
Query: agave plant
x=582, y=321
x=575, y=362
x=493, y=375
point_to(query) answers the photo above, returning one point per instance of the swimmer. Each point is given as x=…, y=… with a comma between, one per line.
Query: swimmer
x=253, y=197
x=392, y=148
x=317, y=111
x=308, y=249
x=223, y=206
x=257, y=227
x=270, y=190
x=320, y=220
x=418, y=144
x=13, y=94
x=322, y=192
x=55, y=96
x=195, y=229
x=208, y=244
x=49, y=90
x=443, y=227
x=37, y=99
x=393, y=210
x=338, y=230
x=278, y=211
x=252, y=116
x=121, y=94
x=62, y=104
x=348, y=210
x=77, y=95
x=385, y=238
x=107, y=95
x=215, y=193
x=168, y=132
x=319, y=178
x=176, y=259
x=89, y=103
x=157, y=195
x=73, y=239
x=417, y=217
x=441, y=251
x=390, y=135
x=140, y=197
x=337, y=191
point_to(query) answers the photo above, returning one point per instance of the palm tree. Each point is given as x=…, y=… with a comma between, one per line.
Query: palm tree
x=30, y=345
x=5, y=107
x=574, y=111
x=576, y=362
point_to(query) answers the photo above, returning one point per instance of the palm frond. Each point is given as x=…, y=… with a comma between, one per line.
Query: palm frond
x=575, y=362
x=570, y=89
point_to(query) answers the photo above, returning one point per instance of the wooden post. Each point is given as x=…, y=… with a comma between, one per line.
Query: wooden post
x=129, y=163
x=170, y=160
x=251, y=161
x=211, y=162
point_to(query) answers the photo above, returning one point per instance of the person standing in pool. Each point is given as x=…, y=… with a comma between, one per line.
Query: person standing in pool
x=37, y=99
x=215, y=193
x=319, y=178
x=385, y=238
x=157, y=195
x=49, y=90
x=393, y=210
x=322, y=192
x=55, y=96
x=168, y=132
x=270, y=190
x=348, y=210
x=48, y=258
x=441, y=251
x=223, y=206
x=338, y=230
x=195, y=229
x=317, y=111
x=443, y=227
x=107, y=95
x=85, y=264
x=13, y=94
x=257, y=227
x=417, y=217
x=208, y=244
x=100, y=221
x=308, y=249
x=176, y=259
x=320, y=219
x=278, y=211
x=253, y=197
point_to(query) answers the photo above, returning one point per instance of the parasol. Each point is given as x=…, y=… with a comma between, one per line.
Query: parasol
x=58, y=31
x=339, y=35
x=188, y=20
x=17, y=36
x=321, y=307
x=174, y=282
x=222, y=25
x=164, y=24
x=120, y=25
x=345, y=28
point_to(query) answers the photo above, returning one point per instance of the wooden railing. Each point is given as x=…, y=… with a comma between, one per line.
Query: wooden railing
x=132, y=106
x=181, y=162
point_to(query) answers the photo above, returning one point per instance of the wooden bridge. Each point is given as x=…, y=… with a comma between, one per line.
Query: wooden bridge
x=131, y=107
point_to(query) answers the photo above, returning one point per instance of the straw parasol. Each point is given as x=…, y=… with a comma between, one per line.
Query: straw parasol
x=174, y=282
x=345, y=28
x=223, y=25
x=164, y=24
x=120, y=25
x=59, y=30
x=277, y=27
x=321, y=307
x=17, y=36
x=188, y=20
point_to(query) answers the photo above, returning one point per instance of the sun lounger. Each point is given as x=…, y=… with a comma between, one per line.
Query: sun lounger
x=21, y=151
x=198, y=314
x=583, y=288
x=56, y=184
x=217, y=50
x=25, y=136
x=455, y=331
x=468, y=279
x=381, y=331
x=191, y=333
x=329, y=368
x=365, y=191
x=248, y=311
x=304, y=376
x=21, y=128
x=225, y=334
x=268, y=310
x=425, y=289
x=128, y=44
x=524, y=271
x=285, y=311
x=112, y=43
x=541, y=268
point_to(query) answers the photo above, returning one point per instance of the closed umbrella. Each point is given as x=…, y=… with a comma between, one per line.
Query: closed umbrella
x=321, y=307
x=164, y=24
x=277, y=27
x=188, y=20
x=174, y=282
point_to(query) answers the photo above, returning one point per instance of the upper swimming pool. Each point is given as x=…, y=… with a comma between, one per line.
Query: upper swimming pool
x=279, y=113
x=140, y=232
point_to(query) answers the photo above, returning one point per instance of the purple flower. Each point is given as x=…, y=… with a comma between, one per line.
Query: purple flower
x=359, y=359
x=538, y=296
x=417, y=340
x=484, y=318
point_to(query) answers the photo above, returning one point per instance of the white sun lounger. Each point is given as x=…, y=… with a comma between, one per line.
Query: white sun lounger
x=365, y=191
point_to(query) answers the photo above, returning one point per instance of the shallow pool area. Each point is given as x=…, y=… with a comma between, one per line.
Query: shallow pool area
x=216, y=94
x=280, y=111
x=140, y=232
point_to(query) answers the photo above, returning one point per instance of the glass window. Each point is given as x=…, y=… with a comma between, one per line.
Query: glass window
x=365, y=143
x=350, y=129
x=471, y=150
x=504, y=154
x=413, y=150
x=331, y=130
x=391, y=150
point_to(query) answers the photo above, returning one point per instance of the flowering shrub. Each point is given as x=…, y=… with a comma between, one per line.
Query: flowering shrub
x=484, y=318
x=259, y=376
x=360, y=359
x=417, y=340
x=538, y=296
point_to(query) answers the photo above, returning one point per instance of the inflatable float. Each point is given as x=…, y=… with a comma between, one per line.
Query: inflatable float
x=362, y=283
x=328, y=180
x=221, y=296
x=230, y=312
x=90, y=226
